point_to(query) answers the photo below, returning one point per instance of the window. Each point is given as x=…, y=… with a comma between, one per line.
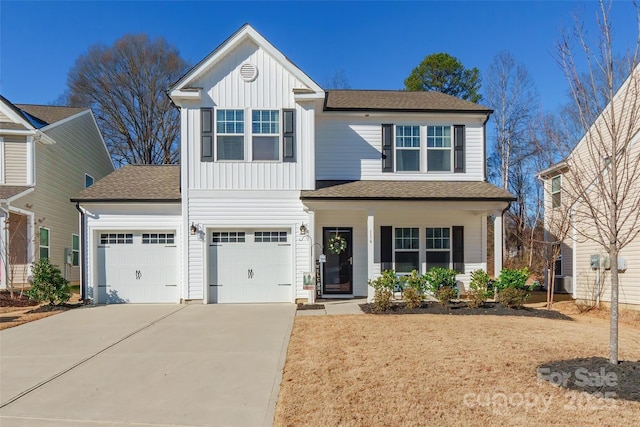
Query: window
x=230, y=134
x=158, y=238
x=88, y=180
x=270, y=236
x=439, y=148
x=116, y=239
x=407, y=250
x=75, y=250
x=44, y=242
x=407, y=148
x=556, y=191
x=558, y=263
x=265, y=126
x=228, y=237
x=438, y=247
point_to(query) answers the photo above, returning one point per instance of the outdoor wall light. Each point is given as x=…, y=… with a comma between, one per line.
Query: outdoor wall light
x=303, y=229
x=193, y=229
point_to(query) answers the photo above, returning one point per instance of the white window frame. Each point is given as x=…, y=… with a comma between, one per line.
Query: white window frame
x=558, y=272
x=86, y=175
x=243, y=134
x=418, y=148
x=558, y=192
x=404, y=250
x=428, y=149
x=75, y=251
x=277, y=135
x=427, y=249
x=41, y=246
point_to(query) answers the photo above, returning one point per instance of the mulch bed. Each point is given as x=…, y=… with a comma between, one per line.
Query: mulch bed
x=16, y=301
x=302, y=306
x=461, y=308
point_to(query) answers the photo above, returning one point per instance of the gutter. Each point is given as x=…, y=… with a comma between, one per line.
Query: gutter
x=83, y=251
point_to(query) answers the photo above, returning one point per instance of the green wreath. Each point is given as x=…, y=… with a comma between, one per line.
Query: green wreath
x=337, y=244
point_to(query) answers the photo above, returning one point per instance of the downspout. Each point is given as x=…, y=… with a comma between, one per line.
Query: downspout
x=83, y=292
x=5, y=244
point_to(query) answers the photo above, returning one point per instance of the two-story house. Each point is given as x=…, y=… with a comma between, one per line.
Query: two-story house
x=47, y=155
x=281, y=181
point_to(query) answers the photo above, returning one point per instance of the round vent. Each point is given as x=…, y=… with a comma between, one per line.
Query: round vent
x=248, y=72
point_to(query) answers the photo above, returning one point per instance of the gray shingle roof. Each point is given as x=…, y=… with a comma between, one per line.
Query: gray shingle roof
x=8, y=191
x=135, y=183
x=396, y=100
x=407, y=190
x=50, y=113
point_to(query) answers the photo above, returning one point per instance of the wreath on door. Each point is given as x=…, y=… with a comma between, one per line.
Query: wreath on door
x=337, y=244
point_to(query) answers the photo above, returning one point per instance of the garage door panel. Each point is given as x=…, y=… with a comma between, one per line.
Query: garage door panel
x=137, y=271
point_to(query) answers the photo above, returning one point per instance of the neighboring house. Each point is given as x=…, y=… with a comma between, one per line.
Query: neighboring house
x=275, y=171
x=47, y=155
x=583, y=268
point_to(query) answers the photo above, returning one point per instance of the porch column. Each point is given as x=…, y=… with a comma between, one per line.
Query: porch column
x=370, y=251
x=497, y=243
x=311, y=231
x=4, y=250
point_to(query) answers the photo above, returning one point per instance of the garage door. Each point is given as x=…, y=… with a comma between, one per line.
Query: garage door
x=137, y=267
x=250, y=266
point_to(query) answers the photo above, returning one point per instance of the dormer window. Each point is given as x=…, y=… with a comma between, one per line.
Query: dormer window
x=230, y=134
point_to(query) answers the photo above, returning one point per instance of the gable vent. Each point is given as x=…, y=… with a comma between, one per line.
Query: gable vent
x=248, y=72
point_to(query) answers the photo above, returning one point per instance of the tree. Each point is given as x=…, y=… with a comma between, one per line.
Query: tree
x=339, y=80
x=444, y=73
x=125, y=86
x=603, y=171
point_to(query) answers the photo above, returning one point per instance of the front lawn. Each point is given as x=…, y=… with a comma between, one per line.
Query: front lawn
x=447, y=370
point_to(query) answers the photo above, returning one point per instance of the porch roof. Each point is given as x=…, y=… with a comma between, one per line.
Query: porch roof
x=407, y=190
x=9, y=191
x=136, y=183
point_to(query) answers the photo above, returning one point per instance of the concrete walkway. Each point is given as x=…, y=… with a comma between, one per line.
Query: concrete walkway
x=335, y=308
x=187, y=365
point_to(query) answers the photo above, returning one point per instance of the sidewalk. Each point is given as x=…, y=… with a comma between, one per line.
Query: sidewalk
x=335, y=307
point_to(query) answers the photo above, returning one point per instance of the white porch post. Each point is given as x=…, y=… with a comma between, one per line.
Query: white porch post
x=311, y=231
x=370, y=251
x=497, y=244
x=4, y=259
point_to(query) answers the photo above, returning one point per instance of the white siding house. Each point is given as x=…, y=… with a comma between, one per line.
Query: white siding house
x=276, y=171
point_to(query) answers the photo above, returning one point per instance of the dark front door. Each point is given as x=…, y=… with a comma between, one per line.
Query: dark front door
x=338, y=269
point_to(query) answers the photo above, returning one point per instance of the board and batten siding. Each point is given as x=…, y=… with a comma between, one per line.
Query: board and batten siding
x=15, y=160
x=349, y=147
x=242, y=210
x=60, y=170
x=128, y=218
x=223, y=88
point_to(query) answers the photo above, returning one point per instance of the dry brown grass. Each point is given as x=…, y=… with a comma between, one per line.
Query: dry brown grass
x=19, y=316
x=416, y=370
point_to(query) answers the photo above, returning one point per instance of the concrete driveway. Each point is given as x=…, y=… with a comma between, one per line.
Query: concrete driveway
x=186, y=365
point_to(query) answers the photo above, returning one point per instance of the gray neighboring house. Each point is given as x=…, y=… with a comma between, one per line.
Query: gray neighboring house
x=47, y=154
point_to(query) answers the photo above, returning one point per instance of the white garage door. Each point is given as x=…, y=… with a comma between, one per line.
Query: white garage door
x=137, y=267
x=250, y=266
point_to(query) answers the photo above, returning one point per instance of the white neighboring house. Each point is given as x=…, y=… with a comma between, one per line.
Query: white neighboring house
x=587, y=279
x=47, y=155
x=273, y=169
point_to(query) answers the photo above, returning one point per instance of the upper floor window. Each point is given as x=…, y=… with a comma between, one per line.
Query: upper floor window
x=88, y=180
x=265, y=127
x=439, y=148
x=230, y=134
x=407, y=148
x=556, y=191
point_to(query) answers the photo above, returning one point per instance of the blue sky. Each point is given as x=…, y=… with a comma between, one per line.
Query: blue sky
x=376, y=43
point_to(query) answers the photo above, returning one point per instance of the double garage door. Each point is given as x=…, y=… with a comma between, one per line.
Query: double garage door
x=248, y=266
x=137, y=267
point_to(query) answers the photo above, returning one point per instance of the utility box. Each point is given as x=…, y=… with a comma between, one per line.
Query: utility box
x=606, y=263
x=68, y=256
x=595, y=261
x=622, y=265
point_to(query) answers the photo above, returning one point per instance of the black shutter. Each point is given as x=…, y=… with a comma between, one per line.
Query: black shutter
x=288, y=135
x=458, y=144
x=386, y=248
x=206, y=134
x=458, y=249
x=387, y=148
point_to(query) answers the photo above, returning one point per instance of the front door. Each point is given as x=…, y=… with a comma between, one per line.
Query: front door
x=338, y=268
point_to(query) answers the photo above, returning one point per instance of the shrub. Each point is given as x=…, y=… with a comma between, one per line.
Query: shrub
x=512, y=297
x=445, y=294
x=513, y=278
x=478, y=288
x=439, y=277
x=48, y=284
x=412, y=296
x=382, y=299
